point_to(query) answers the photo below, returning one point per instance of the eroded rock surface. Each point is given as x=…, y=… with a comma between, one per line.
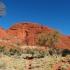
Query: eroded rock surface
x=26, y=33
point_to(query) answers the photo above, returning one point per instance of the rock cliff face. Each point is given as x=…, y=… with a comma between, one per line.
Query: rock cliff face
x=26, y=33
x=4, y=34
x=7, y=39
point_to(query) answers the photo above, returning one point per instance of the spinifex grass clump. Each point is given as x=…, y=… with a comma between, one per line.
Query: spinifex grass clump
x=46, y=63
x=2, y=49
x=16, y=50
x=34, y=53
x=10, y=63
x=65, y=66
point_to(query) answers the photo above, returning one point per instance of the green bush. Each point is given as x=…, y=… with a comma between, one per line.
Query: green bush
x=51, y=38
x=35, y=53
x=65, y=52
x=2, y=48
x=51, y=51
x=42, y=38
x=32, y=52
x=15, y=50
x=28, y=50
x=42, y=54
x=38, y=53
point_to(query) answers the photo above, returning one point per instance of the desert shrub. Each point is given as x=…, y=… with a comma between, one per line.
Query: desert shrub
x=27, y=50
x=35, y=53
x=42, y=38
x=51, y=51
x=6, y=53
x=42, y=54
x=2, y=48
x=15, y=50
x=65, y=52
x=32, y=52
x=51, y=38
x=2, y=64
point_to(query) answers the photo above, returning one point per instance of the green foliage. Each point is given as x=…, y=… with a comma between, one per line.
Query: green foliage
x=32, y=52
x=52, y=37
x=65, y=52
x=2, y=48
x=15, y=50
x=42, y=54
x=28, y=50
x=35, y=53
x=51, y=51
x=42, y=38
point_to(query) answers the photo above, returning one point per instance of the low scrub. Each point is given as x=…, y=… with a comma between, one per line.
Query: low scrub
x=51, y=51
x=13, y=50
x=35, y=53
x=2, y=49
x=65, y=52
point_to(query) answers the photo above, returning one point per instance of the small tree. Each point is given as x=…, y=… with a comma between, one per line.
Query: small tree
x=51, y=51
x=15, y=50
x=52, y=38
x=42, y=38
x=2, y=9
x=65, y=52
x=2, y=48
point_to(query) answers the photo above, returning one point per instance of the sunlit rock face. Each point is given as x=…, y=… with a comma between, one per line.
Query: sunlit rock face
x=26, y=33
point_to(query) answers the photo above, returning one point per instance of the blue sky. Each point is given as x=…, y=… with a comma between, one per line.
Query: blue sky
x=52, y=13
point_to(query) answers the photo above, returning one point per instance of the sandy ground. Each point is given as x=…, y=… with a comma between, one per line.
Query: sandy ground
x=29, y=64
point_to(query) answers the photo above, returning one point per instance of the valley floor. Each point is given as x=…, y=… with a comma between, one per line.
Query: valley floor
x=47, y=63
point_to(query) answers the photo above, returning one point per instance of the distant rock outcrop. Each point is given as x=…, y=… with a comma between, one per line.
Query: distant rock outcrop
x=28, y=32
x=4, y=34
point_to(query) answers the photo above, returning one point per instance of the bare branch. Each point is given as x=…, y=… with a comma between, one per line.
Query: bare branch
x=2, y=9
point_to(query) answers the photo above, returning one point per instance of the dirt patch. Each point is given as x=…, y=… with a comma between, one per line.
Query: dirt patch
x=29, y=64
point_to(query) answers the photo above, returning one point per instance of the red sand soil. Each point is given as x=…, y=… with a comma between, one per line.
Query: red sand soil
x=29, y=64
x=56, y=67
x=68, y=68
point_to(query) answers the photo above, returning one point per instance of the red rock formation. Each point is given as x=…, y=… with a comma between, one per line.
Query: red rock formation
x=28, y=33
x=6, y=39
x=65, y=42
x=4, y=34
